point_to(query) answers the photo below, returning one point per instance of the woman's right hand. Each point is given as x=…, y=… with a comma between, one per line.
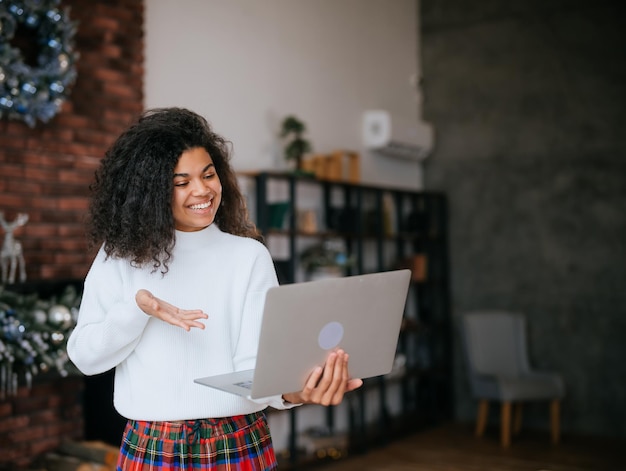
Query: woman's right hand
x=327, y=386
x=165, y=311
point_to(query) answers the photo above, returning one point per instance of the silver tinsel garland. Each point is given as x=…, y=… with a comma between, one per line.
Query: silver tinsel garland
x=31, y=92
x=33, y=336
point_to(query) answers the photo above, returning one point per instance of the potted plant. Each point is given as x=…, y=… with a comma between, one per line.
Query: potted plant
x=324, y=260
x=292, y=130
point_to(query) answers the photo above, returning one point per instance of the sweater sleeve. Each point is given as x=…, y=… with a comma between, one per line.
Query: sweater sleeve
x=109, y=323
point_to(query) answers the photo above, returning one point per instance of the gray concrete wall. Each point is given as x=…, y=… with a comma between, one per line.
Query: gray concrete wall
x=528, y=99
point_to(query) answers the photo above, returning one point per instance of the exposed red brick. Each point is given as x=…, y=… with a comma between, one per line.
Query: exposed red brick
x=43, y=445
x=42, y=231
x=45, y=416
x=69, y=230
x=73, y=176
x=13, y=186
x=41, y=203
x=68, y=258
x=90, y=136
x=109, y=76
x=11, y=201
x=58, y=272
x=90, y=162
x=73, y=203
x=59, y=134
x=64, y=428
x=28, y=434
x=17, y=455
x=104, y=23
x=119, y=116
x=6, y=409
x=49, y=159
x=12, y=157
x=121, y=90
x=28, y=405
x=40, y=173
x=46, y=172
x=40, y=259
x=112, y=51
x=11, y=141
x=57, y=245
x=15, y=422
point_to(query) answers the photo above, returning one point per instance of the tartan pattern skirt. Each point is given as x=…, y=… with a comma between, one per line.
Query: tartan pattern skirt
x=240, y=443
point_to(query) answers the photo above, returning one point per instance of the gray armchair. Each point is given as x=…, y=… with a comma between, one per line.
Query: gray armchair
x=499, y=370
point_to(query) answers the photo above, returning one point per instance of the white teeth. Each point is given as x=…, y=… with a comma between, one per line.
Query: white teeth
x=201, y=206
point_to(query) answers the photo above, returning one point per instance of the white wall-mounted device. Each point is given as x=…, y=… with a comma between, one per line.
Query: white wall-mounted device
x=396, y=136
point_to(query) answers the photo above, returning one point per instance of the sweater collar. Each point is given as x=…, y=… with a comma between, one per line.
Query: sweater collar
x=196, y=239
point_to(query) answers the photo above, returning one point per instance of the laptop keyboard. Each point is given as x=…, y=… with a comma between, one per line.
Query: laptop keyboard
x=245, y=384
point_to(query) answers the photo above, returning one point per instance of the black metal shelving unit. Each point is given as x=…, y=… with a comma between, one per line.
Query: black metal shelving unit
x=381, y=228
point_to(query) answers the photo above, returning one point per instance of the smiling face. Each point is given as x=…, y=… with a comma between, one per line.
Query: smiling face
x=197, y=191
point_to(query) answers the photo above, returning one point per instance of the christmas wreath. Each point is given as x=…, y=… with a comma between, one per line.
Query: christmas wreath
x=37, y=59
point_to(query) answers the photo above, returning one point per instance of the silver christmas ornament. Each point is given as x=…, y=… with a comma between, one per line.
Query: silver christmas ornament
x=60, y=316
x=40, y=316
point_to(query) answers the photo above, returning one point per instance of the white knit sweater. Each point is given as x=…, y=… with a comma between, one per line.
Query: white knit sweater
x=155, y=363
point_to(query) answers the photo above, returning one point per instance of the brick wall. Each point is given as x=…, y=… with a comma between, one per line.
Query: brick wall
x=46, y=171
x=35, y=420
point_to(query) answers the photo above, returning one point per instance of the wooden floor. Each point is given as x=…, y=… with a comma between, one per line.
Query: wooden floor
x=454, y=448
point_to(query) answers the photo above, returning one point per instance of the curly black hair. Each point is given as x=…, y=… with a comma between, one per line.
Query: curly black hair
x=130, y=211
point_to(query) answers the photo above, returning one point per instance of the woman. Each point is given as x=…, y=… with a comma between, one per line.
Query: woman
x=176, y=292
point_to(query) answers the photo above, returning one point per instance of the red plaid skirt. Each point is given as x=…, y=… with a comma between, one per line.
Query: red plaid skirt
x=240, y=443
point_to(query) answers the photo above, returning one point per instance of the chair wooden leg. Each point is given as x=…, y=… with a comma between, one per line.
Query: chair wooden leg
x=517, y=418
x=555, y=420
x=505, y=424
x=481, y=419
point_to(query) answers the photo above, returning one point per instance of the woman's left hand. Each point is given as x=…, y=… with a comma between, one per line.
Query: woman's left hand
x=327, y=386
x=169, y=313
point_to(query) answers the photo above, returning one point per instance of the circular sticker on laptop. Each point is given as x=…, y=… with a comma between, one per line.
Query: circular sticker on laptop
x=330, y=335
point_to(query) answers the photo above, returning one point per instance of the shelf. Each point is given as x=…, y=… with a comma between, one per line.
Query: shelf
x=351, y=235
x=379, y=228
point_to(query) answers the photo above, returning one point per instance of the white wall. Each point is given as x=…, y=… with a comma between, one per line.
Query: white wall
x=246, y=64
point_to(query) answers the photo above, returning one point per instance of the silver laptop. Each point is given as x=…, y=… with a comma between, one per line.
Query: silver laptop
x=303, y=322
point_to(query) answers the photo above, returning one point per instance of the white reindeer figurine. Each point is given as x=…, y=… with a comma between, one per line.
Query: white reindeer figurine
x=11, y=254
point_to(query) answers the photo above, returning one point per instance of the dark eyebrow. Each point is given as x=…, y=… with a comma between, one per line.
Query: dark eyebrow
x=203, y=171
